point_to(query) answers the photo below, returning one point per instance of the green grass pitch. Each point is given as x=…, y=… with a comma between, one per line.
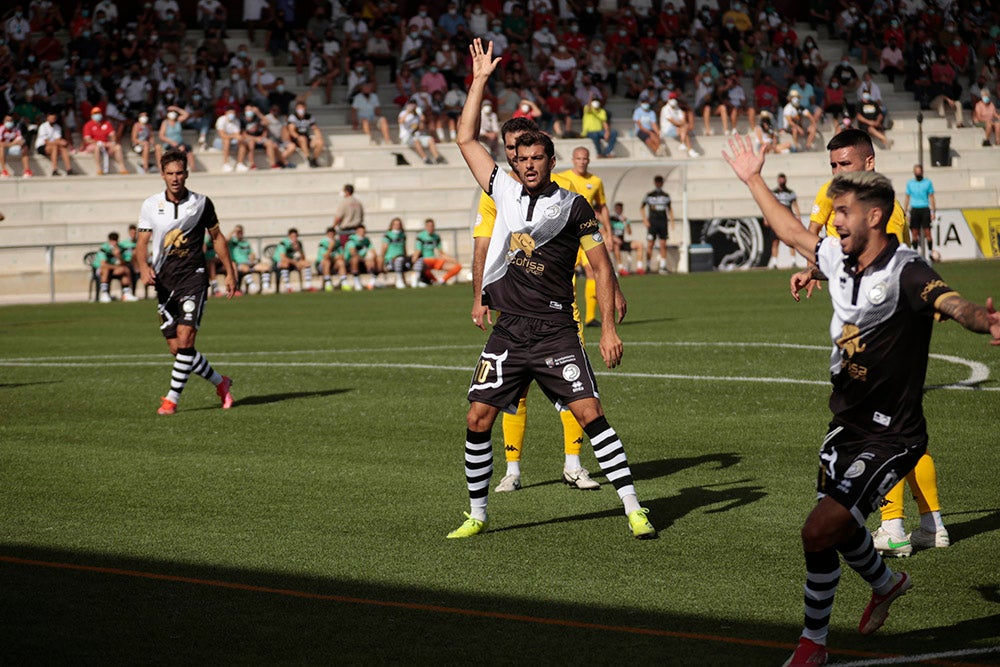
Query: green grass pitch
x=307, y=524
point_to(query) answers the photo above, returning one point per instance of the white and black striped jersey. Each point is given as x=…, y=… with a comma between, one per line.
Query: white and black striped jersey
x=178, y=233
x=533, y=248
x=881, y=332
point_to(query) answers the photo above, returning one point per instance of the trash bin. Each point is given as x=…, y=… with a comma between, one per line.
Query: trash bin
x=940, y=151
x=700, y=257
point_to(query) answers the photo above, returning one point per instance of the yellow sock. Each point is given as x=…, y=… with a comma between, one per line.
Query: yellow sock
x=590, y=295
x=572, y=433
x=513, y=431
x=892, y=506
x=923, y=484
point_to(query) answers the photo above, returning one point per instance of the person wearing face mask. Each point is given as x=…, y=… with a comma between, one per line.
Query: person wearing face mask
x=543, y=44
x=847, y=75
x=920, y=206
x=891, y=62
x=595, y=126
x=870, y=118
x=304, y=134
x=18, y=31
x=675, y=123
x=647, y=129
x=13, y=143
x=171, y=135
x=99, y=138
x=142, y=141
x=946, y=90
x=452, y=22
x=50, y=142
x=985, y=115
x=227, y=126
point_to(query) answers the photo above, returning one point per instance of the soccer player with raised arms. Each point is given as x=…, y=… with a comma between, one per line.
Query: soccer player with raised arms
x=885, y=301
x=528, y=277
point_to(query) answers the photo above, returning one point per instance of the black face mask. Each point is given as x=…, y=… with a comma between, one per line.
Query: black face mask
x=919, y=177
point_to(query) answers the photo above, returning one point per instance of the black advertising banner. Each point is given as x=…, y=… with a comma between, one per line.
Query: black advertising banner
x=737, y=243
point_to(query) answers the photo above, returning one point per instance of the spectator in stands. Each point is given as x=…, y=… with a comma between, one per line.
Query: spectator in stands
x=871, y=119
x=796, y=118
x=892, y=62
x=230, y=135
x=766, y=135
x=738, y=17
x=708, y=100
x=946, y=91
x=847, y=75
x=13, y=143
x=278, y=35
x=595, y=126
x=985, y=115
x=262, y=83
x=211, y=15
x=171, y=135
x=453, y=24
x=245, y=261
x=736, y=102
x=676, y=124
x=367, y=108
x=810, y=99
x=143, y=143
x=99, y=138
x=49, y=141
x=862, y=43
x=414, y=134
x=446, y=60
x=647, y=129
x=766, y=95
x=305, y=134
x=489, y=129
x=834, y=102
x=110, y=263
x=255, y=136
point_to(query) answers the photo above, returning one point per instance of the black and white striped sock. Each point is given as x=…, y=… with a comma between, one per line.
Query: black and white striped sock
x=822, y=577
x=610, y=455
x=201, y=367
x=478, y=470
x=183, y=365
x=859, y=552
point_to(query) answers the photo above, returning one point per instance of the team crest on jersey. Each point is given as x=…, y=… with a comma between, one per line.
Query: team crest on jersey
x=174, y=238
x=597, y=237
x=856, y=470
x=570, y=372
x=523, y=242
x=877, y=293
x=552, y=212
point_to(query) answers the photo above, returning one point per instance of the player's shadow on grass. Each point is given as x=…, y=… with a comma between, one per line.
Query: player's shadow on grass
x=972, y=527
x=664, y=512
x=647, y=320
x=15, y=385
x=278, y=398
x=646, y=470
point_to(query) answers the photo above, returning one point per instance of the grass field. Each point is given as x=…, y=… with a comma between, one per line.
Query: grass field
x=306, y=525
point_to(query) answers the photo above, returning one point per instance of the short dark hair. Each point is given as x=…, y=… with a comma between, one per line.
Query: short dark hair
x=870, y=188
x=293, y=231
x=852, y=138
x=113, y=236
x=657, y=179
x=173, y=155
x=331, y=230
x=518, y=125
x=349, y=189
x=537, y=138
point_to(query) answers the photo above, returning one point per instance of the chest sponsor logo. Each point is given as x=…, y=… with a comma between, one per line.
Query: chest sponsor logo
x=850, y=341
x=523, y=242
x=878, y=293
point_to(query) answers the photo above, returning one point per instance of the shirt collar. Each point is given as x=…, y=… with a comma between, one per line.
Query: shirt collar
x=551, y=189
x=851, y=263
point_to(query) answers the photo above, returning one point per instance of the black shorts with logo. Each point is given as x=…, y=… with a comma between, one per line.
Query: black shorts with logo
x=184, y=303
x=522, y=349
x=858, y=472
x=657, y=230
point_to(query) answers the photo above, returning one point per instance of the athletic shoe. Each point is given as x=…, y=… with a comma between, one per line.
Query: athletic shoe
x=242, y=167
x=693, y=153
x=641, y=528
x=580, y=478
x=104, y=297
x=469, y=528
x=428, y=160
x=227, y=167
x=28, y=173
x=925, y=539
x=772, y=263
x=509, y=483
x=807, y=652
x=593, y=324
x=327, y=287
x=167, y=407
x=400, y=283
x=878, y=607
x=313, y=162
x=4, y=174
x=223, y=391
x=439, y=159
x=129, y=297
x=888, y=544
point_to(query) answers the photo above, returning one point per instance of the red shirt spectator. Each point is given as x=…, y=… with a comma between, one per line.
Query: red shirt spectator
x=574, y=41
x=766, y=95
x=958, y=53
x=99, y=130
x=942, y=72
x=668, y=22
x=784, y=37
x=893, y=33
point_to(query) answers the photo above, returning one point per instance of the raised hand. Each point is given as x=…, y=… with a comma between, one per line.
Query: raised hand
x=483, y=62
x=745, y=162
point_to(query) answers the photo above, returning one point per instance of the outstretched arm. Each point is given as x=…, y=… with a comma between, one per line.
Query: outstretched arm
x=972, y=316
x=480, y=313
x=467, y=134
x=608, y=295
x=747, y=163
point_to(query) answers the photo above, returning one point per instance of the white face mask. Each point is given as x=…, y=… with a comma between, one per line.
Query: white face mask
x=595, y=104
x=97, y=117
x=9, y=124
x=300, y=113
x=672, y=104
x=231, y=116
x=525, y=108
x=172, y=115
x=143, y=120
x=645, y=106
x=487, y=108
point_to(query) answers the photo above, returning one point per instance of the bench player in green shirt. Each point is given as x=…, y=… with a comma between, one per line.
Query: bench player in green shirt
x=429, y=257
x=245, y=261
x=358, y=253
x=394, y=257
x=288, y=256
x=110, y=263
x=329, y=258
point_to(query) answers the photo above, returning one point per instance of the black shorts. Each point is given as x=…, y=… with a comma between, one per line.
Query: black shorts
x=920, y=218
x=522, y=349
x=184, y=304
x=40, y=149
x=657, y=230
x=858, y=472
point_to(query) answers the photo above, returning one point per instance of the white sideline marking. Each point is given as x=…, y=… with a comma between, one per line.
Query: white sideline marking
x=978, y=372
x=924, y=657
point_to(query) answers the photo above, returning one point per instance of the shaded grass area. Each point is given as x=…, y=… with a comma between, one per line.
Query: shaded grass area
x=339, y=471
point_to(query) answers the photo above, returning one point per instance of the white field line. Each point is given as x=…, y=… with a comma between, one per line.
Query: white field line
x=978, y=372
x=924, y=657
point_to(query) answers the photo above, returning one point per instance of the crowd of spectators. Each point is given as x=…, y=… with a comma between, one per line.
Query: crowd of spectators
x=562, y=63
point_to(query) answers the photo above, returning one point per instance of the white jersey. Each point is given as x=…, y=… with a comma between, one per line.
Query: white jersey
x=178, y=232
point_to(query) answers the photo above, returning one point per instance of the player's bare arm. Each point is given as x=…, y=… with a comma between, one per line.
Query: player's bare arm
x=747, y=164
x=222, y=251
x=972, y=316
x=480, y=314
x=467, y=134
x=146, y=273
x=610, y=344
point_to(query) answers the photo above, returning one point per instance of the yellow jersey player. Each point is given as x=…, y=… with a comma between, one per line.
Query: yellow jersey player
x=514, y=425
x=592, y=188
x=852, y=150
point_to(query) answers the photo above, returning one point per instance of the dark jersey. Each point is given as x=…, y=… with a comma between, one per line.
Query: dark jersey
x=178, y=234
x=881, y=332
x=785, y=196
x=657, y=203
x=533, y=248
x=302, y=125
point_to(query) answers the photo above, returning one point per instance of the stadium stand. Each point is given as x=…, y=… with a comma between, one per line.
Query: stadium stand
x=80, y=209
